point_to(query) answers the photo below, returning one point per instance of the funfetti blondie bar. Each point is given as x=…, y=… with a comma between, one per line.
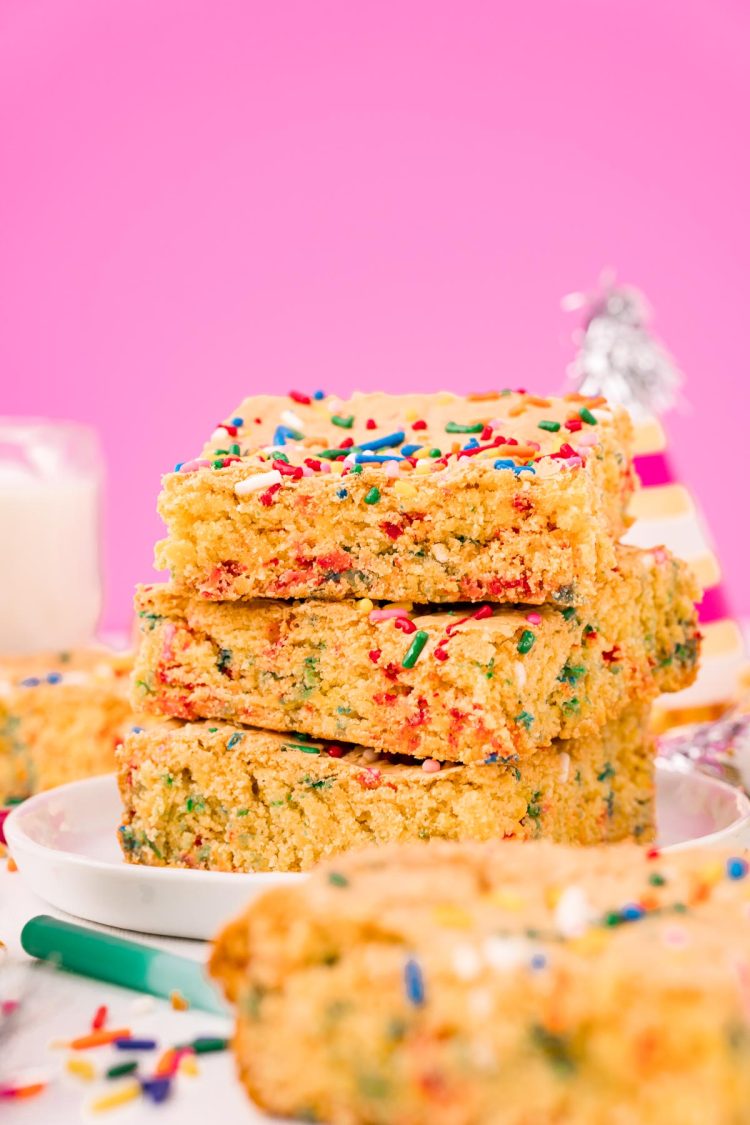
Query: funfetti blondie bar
x=227, y=798
x=498, y=984
x=499, y=497
x=450, y=683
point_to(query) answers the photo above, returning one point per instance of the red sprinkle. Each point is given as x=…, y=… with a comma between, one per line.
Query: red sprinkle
x=392, y=530
x=347, y=443
x=420, y=425
x=266, y=498
x=297, y=396
x=334, y=752
x=312, y=464
x=440, y=654
x=653, y=853
x=231, y=430
x=374, y=655
x=287, y=470
x=405, y=624
x=100, y=1018
x=371, y=424
x=574, y=424
x=486, y=433
x=483, y=612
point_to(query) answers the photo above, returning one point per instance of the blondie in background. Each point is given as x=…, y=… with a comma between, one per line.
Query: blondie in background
x=200, y=201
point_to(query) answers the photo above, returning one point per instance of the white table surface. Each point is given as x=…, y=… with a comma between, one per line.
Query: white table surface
x=57, y=1005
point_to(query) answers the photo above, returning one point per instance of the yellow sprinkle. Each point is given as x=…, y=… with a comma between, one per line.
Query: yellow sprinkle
x=411, y=415
x=402, y=488
x=178, y=1001
x=506, y=899
x=423, y=467
x=551, y=897
x=82, y=1068
x=407, y=606
x=189, y=1065
x=445, y=398
x=421, y=453
x=446, y=914
x=128, y=1092
x=364, y=605
x=337, y=468
x=593, y=941
x=711, y=873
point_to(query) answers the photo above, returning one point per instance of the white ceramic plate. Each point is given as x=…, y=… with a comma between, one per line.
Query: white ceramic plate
x=65, y=845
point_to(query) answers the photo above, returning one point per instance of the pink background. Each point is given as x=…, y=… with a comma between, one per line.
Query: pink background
x=203, y=200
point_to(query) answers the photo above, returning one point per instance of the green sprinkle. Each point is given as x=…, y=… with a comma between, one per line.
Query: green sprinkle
x=205, y=1044
x=526, y=643
x=283, y=456
x=656, y=880
x=196, y=804
x=223, y=659
x=345, y=423
x=332, y=454
x=218, y=464
x=120, y=1069
x=415, y=648
x=301, y=746
x=612, y=919
x=234, y=450
x=436, y=453
x=355, y=470
x=586, y=416
x=607, y=772
x=241, y=812
x=569, y=613
x=372, y=496
x=525, y=719
x=168, y=779
x=546, y=424
x=457, y=428
x=336, y=879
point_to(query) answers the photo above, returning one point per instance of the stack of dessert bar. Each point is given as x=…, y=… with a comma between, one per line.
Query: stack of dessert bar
x=396, y=618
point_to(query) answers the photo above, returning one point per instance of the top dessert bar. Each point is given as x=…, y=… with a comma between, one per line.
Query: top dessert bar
x=504, y=497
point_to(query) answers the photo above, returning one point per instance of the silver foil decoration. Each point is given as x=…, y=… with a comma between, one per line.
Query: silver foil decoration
x=720, y=748
x=618, y=356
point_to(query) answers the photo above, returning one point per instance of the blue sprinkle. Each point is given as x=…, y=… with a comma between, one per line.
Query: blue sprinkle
x=491, y=759
x=319, y=395
x=178, y=466
x=54, y=678
x=383, y=442
x=538, y=961
x=376, y=458
x=236, y=737
x=238, y=421
x=126, y=1044
x=631, y=912
x=342, y=493
x=736, y=868
x=507, y=463
x=472, y=443
x=136, y=730
x=279, y=435
x=410, y=450
x=158, y=1089
x=32, y=681
x=414, y=982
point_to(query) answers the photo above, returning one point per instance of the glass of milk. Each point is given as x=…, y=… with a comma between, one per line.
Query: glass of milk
x=50, y=566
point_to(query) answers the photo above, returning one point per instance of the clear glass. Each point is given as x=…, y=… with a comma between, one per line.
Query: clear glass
x=51, y=477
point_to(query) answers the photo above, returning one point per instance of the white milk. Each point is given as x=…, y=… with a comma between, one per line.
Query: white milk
x=50, y=581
